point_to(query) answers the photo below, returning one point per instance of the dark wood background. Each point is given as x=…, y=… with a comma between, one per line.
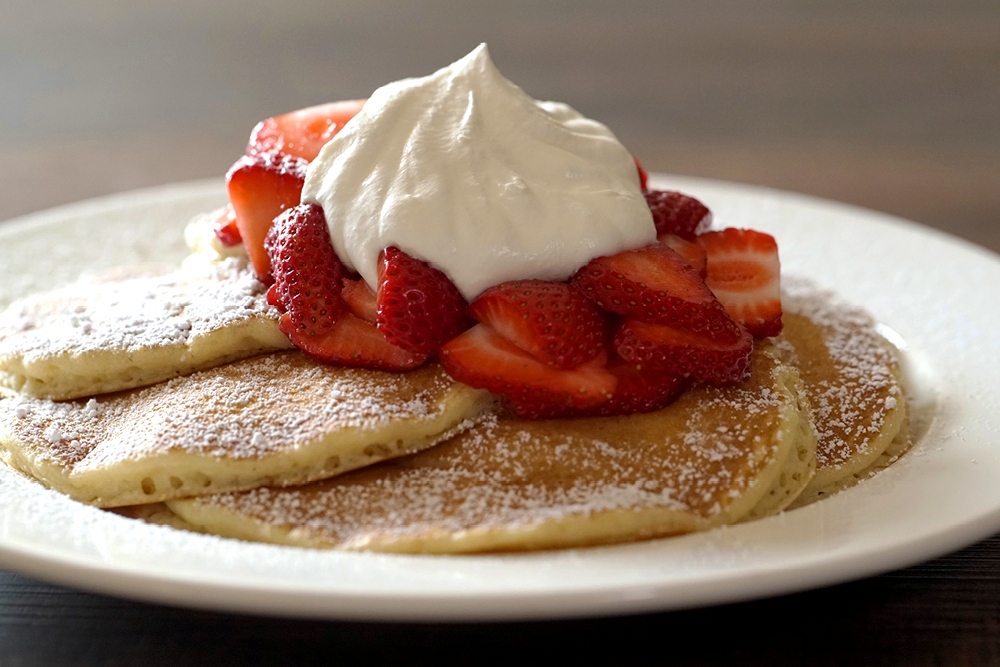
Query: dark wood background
x=892, y=105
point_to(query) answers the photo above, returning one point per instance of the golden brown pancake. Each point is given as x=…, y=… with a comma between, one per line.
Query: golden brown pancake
x=704, y=461
x=523, y=485
x=853, y=384
x=279, y=419
x=94, y=337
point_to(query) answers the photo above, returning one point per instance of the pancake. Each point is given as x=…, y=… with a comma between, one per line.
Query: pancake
x=278, y=419
x=706, y=460
x=853, y=384
x=94, y=337
x=796, y=473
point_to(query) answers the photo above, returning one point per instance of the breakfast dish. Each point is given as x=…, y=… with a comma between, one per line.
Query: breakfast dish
x=552, y=353
x=933, y=500
x=624, y=360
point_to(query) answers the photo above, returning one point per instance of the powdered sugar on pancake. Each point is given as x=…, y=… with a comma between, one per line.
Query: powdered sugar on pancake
x=244, y=410
x=695, y=458
x=850, y=407
x=135, y=313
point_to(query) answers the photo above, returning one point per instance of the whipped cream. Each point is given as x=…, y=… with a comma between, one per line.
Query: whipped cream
x=205, y=246
x=462, y=169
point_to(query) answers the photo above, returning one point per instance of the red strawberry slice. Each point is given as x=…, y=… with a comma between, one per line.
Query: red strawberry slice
x=419, y=308
x=360, y=300
x=655, y=284
x=308, y=275
x=260, y=188
x=643, y=175
x=552, y=321
x=675, y=213
x=482, y=358
x=225, y=226
x=692, y=253
x=639, y=390
x=304, y=132
x=659, y=348
x=744, y=273
x=352, y=342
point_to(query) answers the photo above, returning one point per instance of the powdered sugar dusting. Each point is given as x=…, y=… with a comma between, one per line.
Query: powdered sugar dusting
x=854, y=389
x=694, y=457
x=138, y=312
x=251, y=408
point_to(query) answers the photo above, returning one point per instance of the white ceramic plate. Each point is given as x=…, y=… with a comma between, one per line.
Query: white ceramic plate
x=930, y=288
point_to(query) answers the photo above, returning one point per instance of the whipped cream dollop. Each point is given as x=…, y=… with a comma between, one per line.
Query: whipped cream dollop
x=462, y=169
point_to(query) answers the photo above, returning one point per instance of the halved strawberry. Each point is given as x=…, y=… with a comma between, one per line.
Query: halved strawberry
x=352, y=342
x=679, y=214
x=692, y=253
x=552, y=321
x=668, y=350
x=745, y=274
x=639, y=389
x=304, y=132
x=260, y=188
x=419, y=308
x=225, y=226
x=360, y=300
x=482, y=358
x=655, y=284
x=308, y=275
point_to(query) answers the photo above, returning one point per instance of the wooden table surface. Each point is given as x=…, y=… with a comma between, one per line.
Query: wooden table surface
x=893, y=106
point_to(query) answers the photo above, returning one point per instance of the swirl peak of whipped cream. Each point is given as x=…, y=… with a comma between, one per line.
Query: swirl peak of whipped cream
x=462, y=169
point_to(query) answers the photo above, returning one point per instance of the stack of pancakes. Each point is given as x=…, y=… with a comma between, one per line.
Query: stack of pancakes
x=175, y=399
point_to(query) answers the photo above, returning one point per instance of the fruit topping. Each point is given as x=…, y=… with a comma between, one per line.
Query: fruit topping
x=639, y=390
x=360, y=300
x=654, y=284
x=260, y=188
x=532, y=389
x=678, y=214
x=225, y=227
x=552, y=321
x=419, y=308
x=643, y=175
x=304, y=132
x=692, y=253
x=352, y=342
x=655, y=347
x=308, y=275
x=744, y=273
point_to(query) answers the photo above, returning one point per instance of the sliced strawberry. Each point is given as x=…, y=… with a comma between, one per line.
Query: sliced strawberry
x=352, y=342
x=308, y=275
x=639, y=390
x=419, y=308
x=360, y=300
x=482, y=358
x=678, y=214
x=660, y=348
x=692, y=253
x=225, y=227
x=304, y=132
x=744, y=273
x=260, y=188
x=655, y=284
x=643, y=175
x=552, y=321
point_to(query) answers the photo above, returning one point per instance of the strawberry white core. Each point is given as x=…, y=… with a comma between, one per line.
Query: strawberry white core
x=463, y=170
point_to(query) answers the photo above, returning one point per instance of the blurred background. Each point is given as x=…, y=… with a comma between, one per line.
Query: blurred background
x=893, y=105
